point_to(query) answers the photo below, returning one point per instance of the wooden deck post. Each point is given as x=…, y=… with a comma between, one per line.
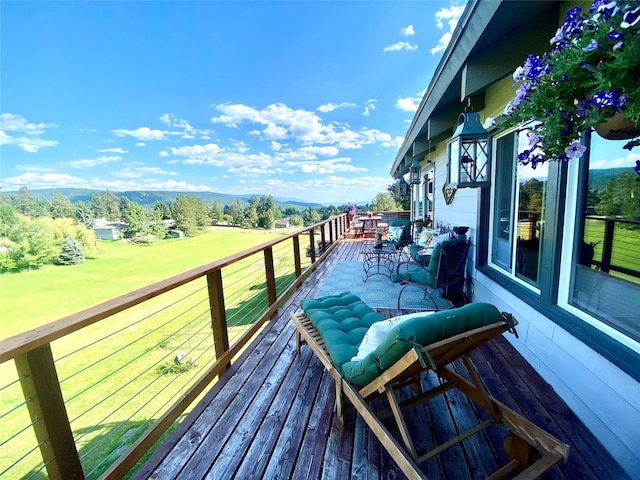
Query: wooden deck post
x=270, y=274
x=312, y=245
x=218, y=313
x=296, y=255
x=41, y=389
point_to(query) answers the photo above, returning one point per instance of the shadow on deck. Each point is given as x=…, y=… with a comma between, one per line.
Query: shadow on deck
x=271, y=416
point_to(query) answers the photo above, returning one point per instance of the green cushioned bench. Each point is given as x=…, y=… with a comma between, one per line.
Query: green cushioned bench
x=343, y=320
x=337, y=326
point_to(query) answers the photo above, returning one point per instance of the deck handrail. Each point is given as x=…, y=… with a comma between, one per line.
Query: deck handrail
x=32, y=353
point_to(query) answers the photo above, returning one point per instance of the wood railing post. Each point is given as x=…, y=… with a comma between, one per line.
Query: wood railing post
x=218, y=312
x=331, y=222
x=312, y=245
x=41, y=389
x=296, y=255
x=607, y=247
x=270, y=273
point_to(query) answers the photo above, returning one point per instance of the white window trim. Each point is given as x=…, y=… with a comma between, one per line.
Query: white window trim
x=566, y=264
x=508, y=274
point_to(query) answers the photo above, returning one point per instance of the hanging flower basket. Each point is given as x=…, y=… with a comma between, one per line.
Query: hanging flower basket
x=591, y=75
x=618, y=128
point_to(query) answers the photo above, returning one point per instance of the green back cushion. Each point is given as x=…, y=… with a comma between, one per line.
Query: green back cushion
x=342, y=321
x=423, y=330
x=423, y=276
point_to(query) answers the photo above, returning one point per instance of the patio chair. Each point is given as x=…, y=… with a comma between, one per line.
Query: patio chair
x=369, y=357
x=445, y=271
x=403, y=239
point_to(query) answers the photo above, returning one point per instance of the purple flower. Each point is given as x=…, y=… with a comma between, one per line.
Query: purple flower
x=603, y=8
x=568, y=129
x=622, y=102
x=616, y=37
x=533, y=138
x=575, y=150
x=593, y=45
x=637, y=167
x=630, y=18
x=605, y=99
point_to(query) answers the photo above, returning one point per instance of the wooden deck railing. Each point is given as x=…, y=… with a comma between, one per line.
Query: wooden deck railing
x=615, y=243
x=235, y=296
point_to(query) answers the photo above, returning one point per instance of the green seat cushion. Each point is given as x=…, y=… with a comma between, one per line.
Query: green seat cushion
x=342, y=321
x=424, y=276
x=422, y=330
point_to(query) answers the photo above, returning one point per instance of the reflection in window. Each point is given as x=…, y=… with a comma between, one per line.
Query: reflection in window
x=518, y=211
x=605, y=279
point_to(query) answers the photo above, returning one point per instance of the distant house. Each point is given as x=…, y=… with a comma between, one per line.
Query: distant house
x=282, y=223
x=175, y=234
x=105, y=230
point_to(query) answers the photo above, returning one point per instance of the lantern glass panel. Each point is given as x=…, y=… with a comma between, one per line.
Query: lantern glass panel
x=454, y=162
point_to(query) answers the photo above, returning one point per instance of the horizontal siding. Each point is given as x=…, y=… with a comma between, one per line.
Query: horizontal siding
x=605, y=398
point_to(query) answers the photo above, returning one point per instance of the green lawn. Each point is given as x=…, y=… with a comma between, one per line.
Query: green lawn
x=32, y=298
x=112, y=384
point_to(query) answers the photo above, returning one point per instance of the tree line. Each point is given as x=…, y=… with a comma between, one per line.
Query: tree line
x=38, y=231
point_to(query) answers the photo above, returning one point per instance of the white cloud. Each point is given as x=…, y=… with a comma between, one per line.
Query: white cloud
x=186, y=130
x=407, y=31
x=140, y=144
x=450, y=16
x=28, y=133
x=33, y=168
x=369, y=105
x=396, y=47
x=33, y=179
x=304, y=127
x=410, y=104
x=92, y=162
x=142, y=133
x=138, y=172
x=330, y=107
x=113, y=150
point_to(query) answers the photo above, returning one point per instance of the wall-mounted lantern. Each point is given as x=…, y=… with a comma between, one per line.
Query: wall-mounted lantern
x=400, y=188
x=414, y=173
x=468, y=153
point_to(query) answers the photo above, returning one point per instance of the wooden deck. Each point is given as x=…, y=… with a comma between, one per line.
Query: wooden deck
x=271, y=416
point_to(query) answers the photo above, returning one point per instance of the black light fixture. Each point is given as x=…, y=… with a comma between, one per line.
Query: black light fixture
x=400, y=188
x=414, y=173
x=468, y=153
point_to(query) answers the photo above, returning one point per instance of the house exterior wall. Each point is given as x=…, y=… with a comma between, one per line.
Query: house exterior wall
x=603, y=396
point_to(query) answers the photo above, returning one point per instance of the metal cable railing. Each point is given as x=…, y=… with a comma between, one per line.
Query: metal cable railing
x=127, y=369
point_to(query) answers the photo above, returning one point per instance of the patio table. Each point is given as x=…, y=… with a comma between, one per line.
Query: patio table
x=379, y=261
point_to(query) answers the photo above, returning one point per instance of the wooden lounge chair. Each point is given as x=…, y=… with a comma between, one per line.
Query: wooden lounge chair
x=421, y=342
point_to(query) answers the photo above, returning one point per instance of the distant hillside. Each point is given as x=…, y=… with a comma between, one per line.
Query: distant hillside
x=598, y=179
x=149, y=198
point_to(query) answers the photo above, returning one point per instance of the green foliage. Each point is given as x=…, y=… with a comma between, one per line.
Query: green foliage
x=621, y=197
x=61, y=207
x=72, y=253
x=134, y=216
x=384, y=202
x=8, y=218
x=33, y=243
x=190, y=214
x=590, y=73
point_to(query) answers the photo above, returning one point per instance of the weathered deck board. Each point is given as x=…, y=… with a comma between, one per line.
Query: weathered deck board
x=271, y=416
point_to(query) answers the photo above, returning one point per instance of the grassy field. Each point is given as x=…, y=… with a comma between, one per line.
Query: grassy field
x=110, y=371
x=32, y=298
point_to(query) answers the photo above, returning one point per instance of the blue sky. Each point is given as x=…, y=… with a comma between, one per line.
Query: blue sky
x=306, y=100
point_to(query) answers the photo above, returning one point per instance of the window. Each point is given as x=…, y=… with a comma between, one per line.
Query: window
x=604, y=265
x=517, y=213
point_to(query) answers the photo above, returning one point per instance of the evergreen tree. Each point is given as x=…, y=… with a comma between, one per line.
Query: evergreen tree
x=134, y=215
x=84, y=213
x=215, y=212
x=61, y=206
x=184, y=214
x=72, y=252
x=165, y=212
